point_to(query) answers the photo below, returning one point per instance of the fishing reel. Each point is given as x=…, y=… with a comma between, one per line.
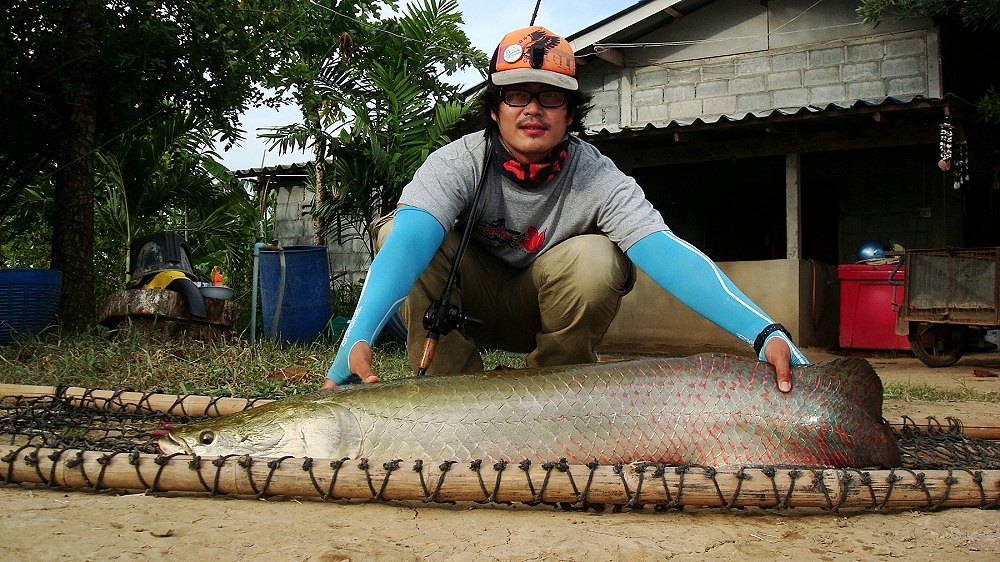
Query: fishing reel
x=442, y=318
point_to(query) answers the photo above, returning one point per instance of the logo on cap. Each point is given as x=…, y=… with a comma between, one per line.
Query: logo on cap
x=512, y=53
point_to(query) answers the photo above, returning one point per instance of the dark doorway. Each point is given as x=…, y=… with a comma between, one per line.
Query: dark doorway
x=732, y=210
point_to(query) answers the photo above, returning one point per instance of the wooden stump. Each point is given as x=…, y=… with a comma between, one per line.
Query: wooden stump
x=164, y=314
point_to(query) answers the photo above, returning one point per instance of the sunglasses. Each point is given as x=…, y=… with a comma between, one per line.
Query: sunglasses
x=521, y=98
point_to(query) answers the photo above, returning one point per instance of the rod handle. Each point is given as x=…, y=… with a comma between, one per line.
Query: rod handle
x=430, y=346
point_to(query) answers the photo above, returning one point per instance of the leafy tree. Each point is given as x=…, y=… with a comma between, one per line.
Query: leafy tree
x=163, y=179
x=321, y=38
x=148, y=181
x=26, y=234
x=396, y=109
x=78, y=74
x=974, y=14
x=389, y=140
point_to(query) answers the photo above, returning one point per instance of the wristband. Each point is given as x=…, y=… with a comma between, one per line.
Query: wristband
x=758, y=343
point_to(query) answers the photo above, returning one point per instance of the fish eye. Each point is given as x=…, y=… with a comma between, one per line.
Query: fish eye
x=206, y=437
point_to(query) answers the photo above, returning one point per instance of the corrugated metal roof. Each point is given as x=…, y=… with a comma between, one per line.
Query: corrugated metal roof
x=299, y=168
x=835, y=107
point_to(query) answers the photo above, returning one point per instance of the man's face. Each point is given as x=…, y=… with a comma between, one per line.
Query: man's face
x=531, y=132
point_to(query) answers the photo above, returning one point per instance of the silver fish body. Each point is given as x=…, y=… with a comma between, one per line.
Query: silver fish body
x=710, y=409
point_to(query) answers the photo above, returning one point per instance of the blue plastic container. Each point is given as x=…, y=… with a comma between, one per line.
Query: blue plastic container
x=297, y=309
x=29, y=300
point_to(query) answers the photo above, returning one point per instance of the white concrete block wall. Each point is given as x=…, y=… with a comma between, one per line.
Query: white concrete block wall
x=349, y=259
x=293, y=226
x=842, y=71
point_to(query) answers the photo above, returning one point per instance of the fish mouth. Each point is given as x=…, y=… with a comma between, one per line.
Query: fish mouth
x=170, y=445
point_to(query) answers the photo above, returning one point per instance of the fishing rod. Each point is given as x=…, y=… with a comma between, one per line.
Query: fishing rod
x=442, y=316
x=535, y=14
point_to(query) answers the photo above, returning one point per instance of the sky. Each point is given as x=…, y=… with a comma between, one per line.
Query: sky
x=485, y=23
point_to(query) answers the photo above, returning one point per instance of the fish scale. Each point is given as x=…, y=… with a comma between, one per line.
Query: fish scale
x=709, y=409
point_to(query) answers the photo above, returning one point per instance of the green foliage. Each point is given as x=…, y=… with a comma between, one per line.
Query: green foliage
x=929, y=393
x=989, y=106
x=383, y=151
x=163, y=178
x=324, y=39
x=76, y=75
x=154, y=179
x=26, y=232
x=155, y=58
x=345, y=297
x=974, y=14
x=130, y=359
x=402, y=111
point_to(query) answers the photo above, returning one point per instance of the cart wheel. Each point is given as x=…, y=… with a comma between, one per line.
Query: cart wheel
x=937, y=345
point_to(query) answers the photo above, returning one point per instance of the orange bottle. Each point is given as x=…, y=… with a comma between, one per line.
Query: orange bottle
x=217, y=280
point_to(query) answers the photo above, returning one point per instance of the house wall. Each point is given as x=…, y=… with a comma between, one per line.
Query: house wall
x=733, y=58
x=292, y=223
x=349, y=260
x=803, y=295
x=293, y=226
x=893, y=195
x=736, y=57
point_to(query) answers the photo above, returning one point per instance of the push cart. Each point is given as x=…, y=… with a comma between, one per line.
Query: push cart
x=947, y=295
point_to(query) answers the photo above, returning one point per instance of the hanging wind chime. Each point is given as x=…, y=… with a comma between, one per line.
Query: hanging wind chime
x=954, y=154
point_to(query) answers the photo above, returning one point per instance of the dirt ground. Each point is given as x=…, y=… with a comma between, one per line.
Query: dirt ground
x=38, y=523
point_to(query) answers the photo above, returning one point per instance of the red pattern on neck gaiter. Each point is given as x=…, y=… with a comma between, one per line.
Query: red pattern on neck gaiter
x=529, y=175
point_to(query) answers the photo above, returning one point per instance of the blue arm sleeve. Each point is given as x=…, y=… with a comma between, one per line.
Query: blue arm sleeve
x=688, y=274
x=411, y=244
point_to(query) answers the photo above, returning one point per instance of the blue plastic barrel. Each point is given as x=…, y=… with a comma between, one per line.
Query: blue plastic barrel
x=296, y=301
x=29, y=300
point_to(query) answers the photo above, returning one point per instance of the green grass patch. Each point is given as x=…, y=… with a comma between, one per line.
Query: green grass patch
x=131, y=360
x=913, y=392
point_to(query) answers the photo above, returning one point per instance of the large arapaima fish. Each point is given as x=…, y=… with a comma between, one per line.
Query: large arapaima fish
x=710, y=409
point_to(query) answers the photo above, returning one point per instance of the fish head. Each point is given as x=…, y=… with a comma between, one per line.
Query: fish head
x=292, y=427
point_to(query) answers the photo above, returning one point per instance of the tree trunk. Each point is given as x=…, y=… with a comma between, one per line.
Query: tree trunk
x=73, y=231
x=322, y=191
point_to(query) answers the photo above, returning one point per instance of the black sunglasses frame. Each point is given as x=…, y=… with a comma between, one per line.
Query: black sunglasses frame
x=533, y=96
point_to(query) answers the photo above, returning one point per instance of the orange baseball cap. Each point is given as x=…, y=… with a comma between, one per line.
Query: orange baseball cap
x=534, y=54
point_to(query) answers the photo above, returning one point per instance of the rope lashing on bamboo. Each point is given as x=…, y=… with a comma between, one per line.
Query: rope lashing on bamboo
x=632, y=486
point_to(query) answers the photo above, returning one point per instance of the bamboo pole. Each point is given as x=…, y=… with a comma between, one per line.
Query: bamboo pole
x=634, y=485
x=177, y=404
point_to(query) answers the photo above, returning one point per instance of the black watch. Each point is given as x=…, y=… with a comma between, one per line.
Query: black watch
x=758, y=343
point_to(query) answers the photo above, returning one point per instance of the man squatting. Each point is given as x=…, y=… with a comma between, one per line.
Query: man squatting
x=554, y=243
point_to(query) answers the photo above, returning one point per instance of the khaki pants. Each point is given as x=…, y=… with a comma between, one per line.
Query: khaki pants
x=556, y=310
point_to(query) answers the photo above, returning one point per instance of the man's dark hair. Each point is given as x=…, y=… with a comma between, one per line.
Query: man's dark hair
x=577, y=102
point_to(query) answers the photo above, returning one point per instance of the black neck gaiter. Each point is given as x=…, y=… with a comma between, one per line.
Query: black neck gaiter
x=529, y=175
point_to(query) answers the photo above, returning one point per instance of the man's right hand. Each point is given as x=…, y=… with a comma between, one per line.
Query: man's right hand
x=360, y=362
